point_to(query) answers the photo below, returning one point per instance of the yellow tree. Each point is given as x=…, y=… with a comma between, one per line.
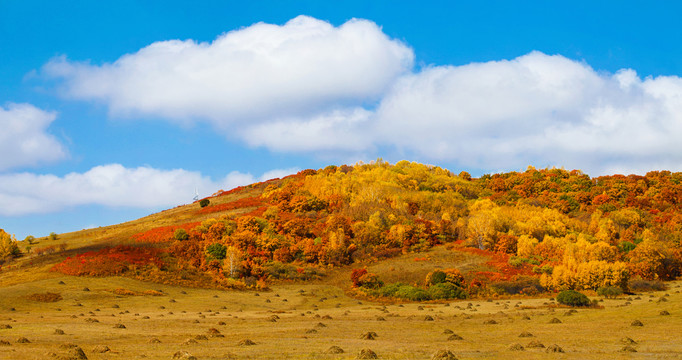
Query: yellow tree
x=232, y=257
x=8, y=245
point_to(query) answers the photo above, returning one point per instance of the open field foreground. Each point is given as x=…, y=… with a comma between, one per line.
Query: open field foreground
x=304, y=321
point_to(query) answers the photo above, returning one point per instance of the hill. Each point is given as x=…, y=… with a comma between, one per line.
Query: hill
x=523, y=232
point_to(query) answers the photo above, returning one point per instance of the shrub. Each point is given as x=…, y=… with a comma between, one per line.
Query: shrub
x=355, y=276
x=572, y=298
x=370, y=281
x=412, y=293
x=609, y=291
x=53, y=236
x=446, y=291
x=520, y=284
x=217, y=251
x=45, y=297
x=645, y=285
x=181, y=234
x=435, y=277
x=30, y=239
x=204, y=202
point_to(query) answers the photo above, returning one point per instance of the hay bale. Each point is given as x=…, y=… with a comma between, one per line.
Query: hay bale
x=554, y=348
x=535, y=344
x=320, y=325
x=154, y=341
x=455, y=337
x=75, y=354
x=444, y=355
x=214, y=331
x=490, y=322
x=201, y=337
x=367, y=354
x=555, y=321
x=525, y=317
x=636, y=323
x=311, y=331
x=334, y=350
x=326, y=317
x=525, y=334
x=273, y=318
x=428, y=318
x=23, y=340
x=221, y=323
x=184, y=355
x=86, y=289
x=68, y=346
x=246, y=342
x=91, y=320
x=368, y=336
x=58, y=332
x=448, y=332
x=100, y=349
x=119, y=326
x=5, y=326
x=5, y=343
x=628, y=348
x=189, y=342
x=628, y=341
x=516, y=347
x=664, y=313
x=380, y=318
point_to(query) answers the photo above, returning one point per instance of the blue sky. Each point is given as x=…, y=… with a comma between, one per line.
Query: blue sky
x=111, y=110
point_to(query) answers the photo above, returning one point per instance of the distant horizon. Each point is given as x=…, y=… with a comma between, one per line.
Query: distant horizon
x=115, y=110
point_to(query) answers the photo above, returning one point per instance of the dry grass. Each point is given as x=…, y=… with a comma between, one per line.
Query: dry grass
x=158, y=333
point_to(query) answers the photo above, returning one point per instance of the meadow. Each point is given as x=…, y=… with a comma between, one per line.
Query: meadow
x=121, y=318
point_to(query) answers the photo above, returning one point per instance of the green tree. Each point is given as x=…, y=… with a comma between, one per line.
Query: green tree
x=53, y=236
x=217, y=251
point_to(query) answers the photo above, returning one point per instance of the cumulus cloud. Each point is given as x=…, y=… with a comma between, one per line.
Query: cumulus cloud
x=244, y=76
x=535, y=109
x=111, y=185
x=24, y=140
x=310, y=87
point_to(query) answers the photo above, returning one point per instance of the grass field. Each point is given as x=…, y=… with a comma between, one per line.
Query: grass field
x=300, y=321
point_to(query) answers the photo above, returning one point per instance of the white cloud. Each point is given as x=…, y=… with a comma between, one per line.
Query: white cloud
x=110, y=185
x=310, y=87
x=24, y=140
x=245, y=76
x=536, y=109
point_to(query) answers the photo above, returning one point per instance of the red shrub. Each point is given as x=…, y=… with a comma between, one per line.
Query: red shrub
x=247, y=202
x=162, y=233
x=109, y=261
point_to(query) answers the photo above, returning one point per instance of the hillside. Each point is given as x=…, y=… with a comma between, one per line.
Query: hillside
x=526, y=232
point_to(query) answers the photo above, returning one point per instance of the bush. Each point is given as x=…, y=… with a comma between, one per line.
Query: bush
x=217, y=251
x=181, y=234
x=30, y=239
x=609, y=292
x=572, y=298
x=435, y=277
x=45, y=297
x=412, y=293
x=53, y=236
x=645, y=285
x=518, y=285
x=446, y=291
x=204, y=202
